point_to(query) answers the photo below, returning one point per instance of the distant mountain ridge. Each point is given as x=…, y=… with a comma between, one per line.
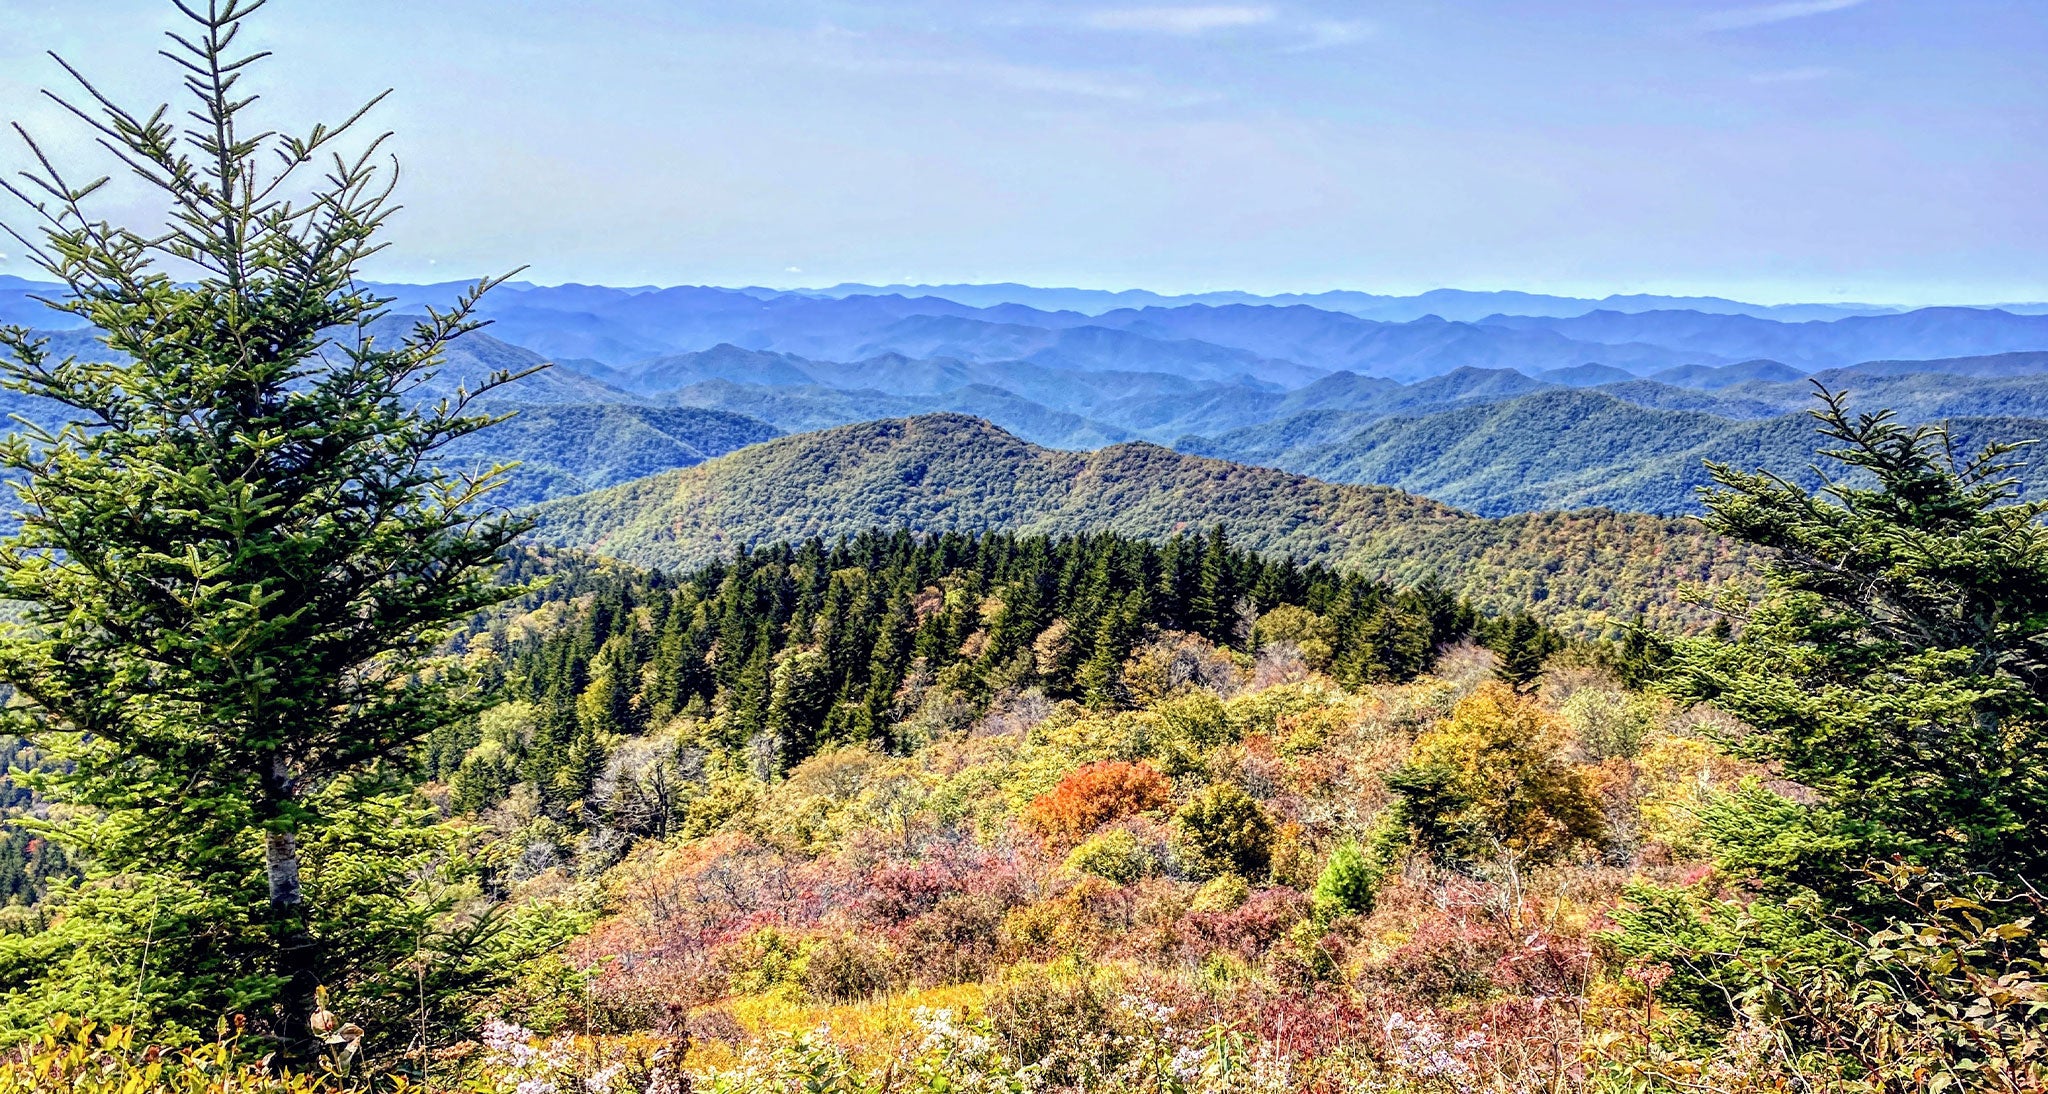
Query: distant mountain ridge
x=1562, y=449
x=1454, y=304
x=1813, y=344
x=1446, y=404
x=1284, y=345
x=1224, y=337
x=952, y=472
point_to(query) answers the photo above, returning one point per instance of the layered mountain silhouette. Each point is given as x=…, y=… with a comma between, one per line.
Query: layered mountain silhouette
x=1560, y=449
x=1494, y=402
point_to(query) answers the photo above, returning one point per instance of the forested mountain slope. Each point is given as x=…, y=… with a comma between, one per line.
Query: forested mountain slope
x=568, y=449
x=1557, y=449
x=955, y=473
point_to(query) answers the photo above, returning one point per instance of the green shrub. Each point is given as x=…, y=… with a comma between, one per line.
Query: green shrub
x=1196, y=717
x=1783, y=847
x=766, y=961
x=1115, y=855
x=75, y=1056
x=1310, y=633
x=1945, y=997
x=1223, y=831
x=1609, y=723
x=1489, y=782
x=1222, y=893
x=1718, y=949
x=1350, y=882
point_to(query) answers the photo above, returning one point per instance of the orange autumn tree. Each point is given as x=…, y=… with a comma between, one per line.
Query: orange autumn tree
x=1092, y=796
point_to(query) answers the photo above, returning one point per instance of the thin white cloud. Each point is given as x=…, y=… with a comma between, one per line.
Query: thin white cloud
x=1057, y=81
x=1766, y=14
x=1183, y=20
x=913, y=58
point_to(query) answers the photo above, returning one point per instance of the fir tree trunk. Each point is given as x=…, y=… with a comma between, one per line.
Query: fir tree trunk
x=293, y=955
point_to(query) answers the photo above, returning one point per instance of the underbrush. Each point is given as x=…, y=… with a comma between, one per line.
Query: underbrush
x=1264, y=883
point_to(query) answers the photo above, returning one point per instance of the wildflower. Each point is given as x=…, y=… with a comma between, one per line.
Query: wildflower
x=502, y=1036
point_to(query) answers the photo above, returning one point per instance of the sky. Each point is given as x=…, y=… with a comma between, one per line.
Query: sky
x=1890, y=151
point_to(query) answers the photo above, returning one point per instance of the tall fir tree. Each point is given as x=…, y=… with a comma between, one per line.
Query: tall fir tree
x=239, y=557
x=1897, y=662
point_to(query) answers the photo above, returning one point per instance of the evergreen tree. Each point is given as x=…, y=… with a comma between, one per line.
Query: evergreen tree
x=745, y=708
x=238, y=560
x=605, y=708
x=876, y=622
x=1522, y=644
x=582, y=760
x=799, y=696
x=666, y=683
x=1898, y=660
x=1214, y=597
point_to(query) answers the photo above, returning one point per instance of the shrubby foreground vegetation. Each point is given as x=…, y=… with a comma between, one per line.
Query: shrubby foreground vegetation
x=320, y=781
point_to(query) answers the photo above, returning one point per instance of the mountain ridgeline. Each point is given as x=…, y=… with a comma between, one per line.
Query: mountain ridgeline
x=1498, y=403
x=951, y=473
x=1500, y=415
x=1576, y=448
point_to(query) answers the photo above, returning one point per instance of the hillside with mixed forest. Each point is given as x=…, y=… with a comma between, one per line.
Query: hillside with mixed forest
x=949, y=473
x=1573, y=448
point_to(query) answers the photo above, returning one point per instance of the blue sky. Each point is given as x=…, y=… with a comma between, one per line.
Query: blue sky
x=1886, y=150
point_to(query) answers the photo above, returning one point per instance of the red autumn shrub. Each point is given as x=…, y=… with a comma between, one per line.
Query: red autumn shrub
x=891, y=892
x=899, y=892
x=1247, y=930
x=1545, y=964
x=1448, y=959
x=625, y=994
x=1300, y=1024
x=1094, y=795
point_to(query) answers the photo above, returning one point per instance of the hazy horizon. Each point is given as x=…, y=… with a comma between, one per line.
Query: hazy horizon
x=1770, y=151
x=23, y=272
